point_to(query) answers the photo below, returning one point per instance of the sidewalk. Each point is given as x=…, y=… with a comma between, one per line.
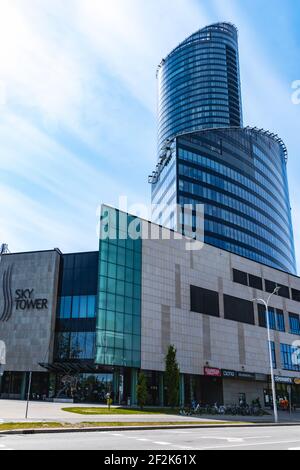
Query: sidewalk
x=14, y=411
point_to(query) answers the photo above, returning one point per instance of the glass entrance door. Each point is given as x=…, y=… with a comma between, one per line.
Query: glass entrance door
x=85, y=388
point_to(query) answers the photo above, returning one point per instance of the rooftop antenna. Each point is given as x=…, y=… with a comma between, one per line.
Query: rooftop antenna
x=3, y=250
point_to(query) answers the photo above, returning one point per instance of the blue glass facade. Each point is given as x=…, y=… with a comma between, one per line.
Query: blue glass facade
x=164, y=192
x=207, y=157
x=120, y=284
x=76, y=313
x=199, y=83
x=240, y=175
x=290, y=357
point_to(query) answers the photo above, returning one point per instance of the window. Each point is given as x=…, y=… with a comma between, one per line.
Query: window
x=245, y=279
x=78, y=306
x=273, y=349
x=276, y=318
x=272, y=319
x=255, y=282
x=289, y=358
x=284, y=290
x=65, y=307
x=239, y=310
x=79, y=274
x=240, y=277
x=262, y=317
x=296, y=295
x=280, y=321
x=294, y=324
x=270, y=286
x=262, y=320
x=204, y=301
x=75, y=346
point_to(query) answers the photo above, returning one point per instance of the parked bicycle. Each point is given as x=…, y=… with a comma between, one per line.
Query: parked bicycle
x=229, y=410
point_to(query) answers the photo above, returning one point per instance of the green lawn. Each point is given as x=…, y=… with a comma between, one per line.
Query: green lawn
x=119, y=411
x=83, y=425
x=25, y=426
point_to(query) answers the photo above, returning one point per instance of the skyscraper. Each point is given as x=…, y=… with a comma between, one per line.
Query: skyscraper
x=207, y=157
x=199, y=83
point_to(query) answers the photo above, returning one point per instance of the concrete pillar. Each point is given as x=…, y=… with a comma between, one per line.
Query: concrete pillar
x=181, y=391
x=134, y=381
x=207, y=349
x=161, y=390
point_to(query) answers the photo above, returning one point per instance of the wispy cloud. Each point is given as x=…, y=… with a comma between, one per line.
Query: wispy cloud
x=78, y=105
x=267, y=92
x=77, y=126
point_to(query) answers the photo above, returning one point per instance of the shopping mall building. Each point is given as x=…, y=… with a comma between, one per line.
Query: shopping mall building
x=87, y=323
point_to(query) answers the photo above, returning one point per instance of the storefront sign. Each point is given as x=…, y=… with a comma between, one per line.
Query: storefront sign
x=246, y=376
x=229, y=374
x=211, y=372
x=283, y=380
x=261, y=378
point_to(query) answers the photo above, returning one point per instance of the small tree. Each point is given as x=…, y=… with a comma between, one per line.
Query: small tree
x=172, y=377
x=142, y=392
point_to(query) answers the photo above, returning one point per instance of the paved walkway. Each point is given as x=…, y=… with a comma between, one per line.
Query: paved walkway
x=14, y=411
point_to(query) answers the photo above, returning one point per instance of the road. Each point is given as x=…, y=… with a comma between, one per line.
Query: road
x=263, y=438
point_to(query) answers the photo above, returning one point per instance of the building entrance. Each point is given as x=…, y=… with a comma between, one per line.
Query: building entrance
x=84, y=388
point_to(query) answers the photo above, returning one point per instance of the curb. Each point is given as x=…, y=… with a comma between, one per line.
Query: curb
x=141, y=428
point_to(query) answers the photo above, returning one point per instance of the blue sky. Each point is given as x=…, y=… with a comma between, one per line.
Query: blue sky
x=78, y=103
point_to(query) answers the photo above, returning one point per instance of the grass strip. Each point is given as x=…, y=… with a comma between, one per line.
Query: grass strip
x=119, y=411
x=83, y=425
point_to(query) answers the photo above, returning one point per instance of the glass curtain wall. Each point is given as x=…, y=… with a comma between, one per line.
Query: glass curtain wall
x=118, y=340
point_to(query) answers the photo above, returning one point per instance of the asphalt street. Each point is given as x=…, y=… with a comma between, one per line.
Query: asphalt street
x=263, y=438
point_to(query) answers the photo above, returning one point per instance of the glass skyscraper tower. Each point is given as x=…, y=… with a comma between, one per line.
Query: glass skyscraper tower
x=206, y=156
x=199, y=83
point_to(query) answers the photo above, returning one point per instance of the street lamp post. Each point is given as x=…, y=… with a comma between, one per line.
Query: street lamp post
x=266, y=304
x=1, y=375
x=28, y=395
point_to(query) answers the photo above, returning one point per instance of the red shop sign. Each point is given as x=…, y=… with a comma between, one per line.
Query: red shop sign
x=211, y=372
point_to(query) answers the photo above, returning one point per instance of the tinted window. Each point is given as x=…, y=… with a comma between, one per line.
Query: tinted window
x=280, y=321
x=270, y=286
x=239, y=310
x=204, y=301
x=287, y=357
x=240, y=277
x=284, y=291
x=255, y=282
x=79, y=274
x=294, y=324
x=262, y=316
x=296, y=295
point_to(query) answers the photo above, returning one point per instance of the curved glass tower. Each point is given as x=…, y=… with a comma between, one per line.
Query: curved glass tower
x=207, y=158
x=199, y=83
x=240, y=175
